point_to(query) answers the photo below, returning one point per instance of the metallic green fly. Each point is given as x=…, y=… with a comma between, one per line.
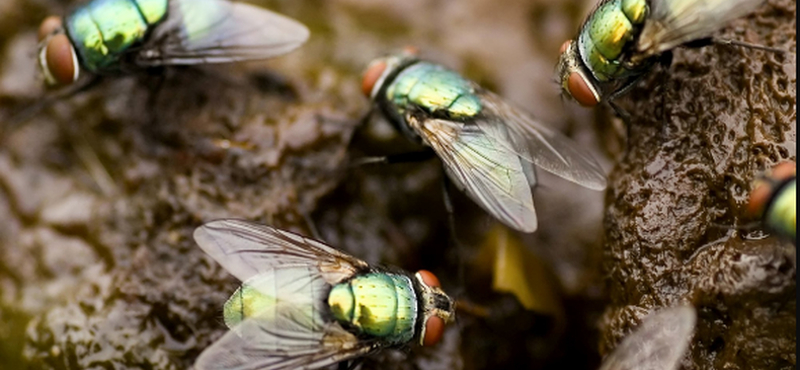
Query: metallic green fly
x=305, y=305
x=659, y=343
x=774, y=200
x=488, y=147
x=622, y=39
x=118, y=36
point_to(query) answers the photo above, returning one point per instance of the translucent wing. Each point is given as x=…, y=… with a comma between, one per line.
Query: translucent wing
x=246, y=249
x=657, y=344
x=255, y=352
x=219, y=31
x=535, y=143
x=492, y=175
x=675, y=22
x=287, y=330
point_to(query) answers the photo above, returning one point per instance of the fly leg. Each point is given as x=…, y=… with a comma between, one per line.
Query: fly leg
x=94, y=166
x=621, y=112
x=747, y=45
x=451, y=227
x=729, y=42
x=409, y=157
x=29, y=112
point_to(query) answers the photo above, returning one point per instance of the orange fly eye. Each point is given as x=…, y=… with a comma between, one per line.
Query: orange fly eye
x=434, y=328
x=429, y=278
x=564, y=47
x=784, y=171
x=49, y=26
x=580, y=90
x=759, y=198
x=371, y=76
x=61, y=60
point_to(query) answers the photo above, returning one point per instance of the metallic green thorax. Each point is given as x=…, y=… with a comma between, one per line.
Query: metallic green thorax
x=103, y=30
x=383, y=305
x=605, y=35
x=435, y=89
x=782, y=212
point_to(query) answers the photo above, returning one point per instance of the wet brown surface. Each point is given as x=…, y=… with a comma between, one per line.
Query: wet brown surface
x=730, y=113
x=99, y=193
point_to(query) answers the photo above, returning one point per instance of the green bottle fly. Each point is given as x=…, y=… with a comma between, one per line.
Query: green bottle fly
x=119, y=36
x=488, y=147
x=621, y=40
x=303, y=304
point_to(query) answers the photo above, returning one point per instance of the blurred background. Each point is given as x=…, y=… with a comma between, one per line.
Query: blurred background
x=100, y=192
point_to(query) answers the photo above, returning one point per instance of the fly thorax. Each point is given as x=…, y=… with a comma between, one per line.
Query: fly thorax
x=378, y=304
x=607, y=34
x=431, y=91
x=103, y=30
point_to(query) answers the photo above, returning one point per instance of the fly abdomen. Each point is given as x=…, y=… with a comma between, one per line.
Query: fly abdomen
x=607, y=33
x=263, y=298
x=102, y=30
x=435, y=89
x=378, y=304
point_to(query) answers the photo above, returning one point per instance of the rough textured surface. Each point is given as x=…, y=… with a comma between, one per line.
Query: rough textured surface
x=99, y=193
x=703, y=129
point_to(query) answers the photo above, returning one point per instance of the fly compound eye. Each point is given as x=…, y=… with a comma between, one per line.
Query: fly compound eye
x=434, y=328
x=49, y=27
x=429, y=278
x=60, y=62
x=784, y=171
x=371, y=76
x=564, y=47
x=580, y=90
x=763, y=187
x=759, y=198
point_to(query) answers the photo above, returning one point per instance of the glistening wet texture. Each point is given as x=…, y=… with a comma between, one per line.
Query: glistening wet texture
x=701, y=131
x=99, y=193
x=101, y=271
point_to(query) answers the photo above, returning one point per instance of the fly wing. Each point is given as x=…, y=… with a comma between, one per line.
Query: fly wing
x=658, y=344
x=535, y=143
x=675, y=22
x=286, y=329
x=255, y=352
x=492, y=175
x=246, y=249
x=219, y=31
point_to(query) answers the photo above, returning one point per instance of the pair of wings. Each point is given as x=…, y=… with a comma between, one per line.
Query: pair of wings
x=285, y=337
x=672, y=23
x=219, y=31
x=491, y=158
x=657, y=344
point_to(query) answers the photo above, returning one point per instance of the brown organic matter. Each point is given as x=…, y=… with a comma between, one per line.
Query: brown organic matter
x=676, y=226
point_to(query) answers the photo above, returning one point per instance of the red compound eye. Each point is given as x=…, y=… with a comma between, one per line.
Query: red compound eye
x=49, y=26
x=762, y=190
x=429, y=278
x=434, y=328
x=60, y=59
x=759, y=198
x=580, y=90
x=784, y=171
x=371, y=76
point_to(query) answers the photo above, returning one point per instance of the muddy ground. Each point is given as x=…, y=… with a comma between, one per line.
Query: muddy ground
x=100, y=192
